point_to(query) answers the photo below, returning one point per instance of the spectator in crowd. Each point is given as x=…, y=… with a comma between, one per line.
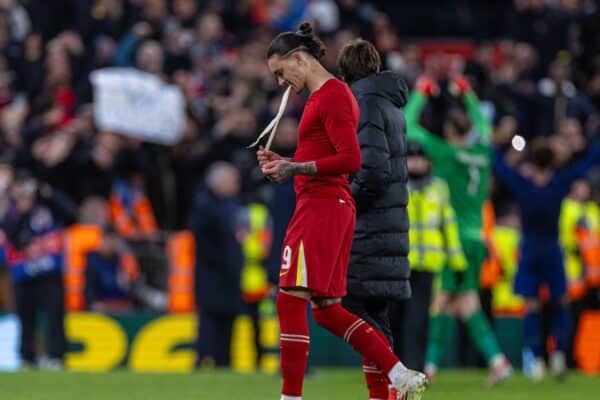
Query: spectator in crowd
x=578, y=234
x=219, y=261
x=130, y=210
x=111, y=270
x=6, y=176
x=559, y=99
x=34, y=253
x=254, y=232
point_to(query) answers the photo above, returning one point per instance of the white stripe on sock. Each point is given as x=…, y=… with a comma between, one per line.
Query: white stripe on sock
x=295, y=340
x=294, y=336
x=368, y=371
x=284, y=397
x=353, y=330
x=351, y=327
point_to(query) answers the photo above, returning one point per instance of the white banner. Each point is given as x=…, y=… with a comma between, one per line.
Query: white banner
x=9, y=343
x=137, y=104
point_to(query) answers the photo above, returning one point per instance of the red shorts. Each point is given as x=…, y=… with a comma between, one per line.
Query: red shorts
x=317, y=244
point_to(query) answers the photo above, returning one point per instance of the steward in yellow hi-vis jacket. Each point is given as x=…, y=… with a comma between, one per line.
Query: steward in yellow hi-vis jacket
x=434, y=245
x=577, y=223
x=255, y=228
x=572, y=219
x=505, y=238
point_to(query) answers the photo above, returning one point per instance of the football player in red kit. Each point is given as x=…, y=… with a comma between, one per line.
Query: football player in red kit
x=319, y=237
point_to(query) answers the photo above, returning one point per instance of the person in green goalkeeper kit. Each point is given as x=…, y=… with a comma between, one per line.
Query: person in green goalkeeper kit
x=462, y=158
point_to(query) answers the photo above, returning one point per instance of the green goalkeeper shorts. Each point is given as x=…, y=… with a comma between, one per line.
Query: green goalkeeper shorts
x=475, y=253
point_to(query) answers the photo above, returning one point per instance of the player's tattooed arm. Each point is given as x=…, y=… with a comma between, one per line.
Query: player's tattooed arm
x=305, y=168
x=287, y=170
x=283, y=170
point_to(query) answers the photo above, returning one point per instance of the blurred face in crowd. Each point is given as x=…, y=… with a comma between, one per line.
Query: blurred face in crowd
x=23, y=192
x=287, y=134
x=559, y=72
x=7, y=4
x=570, y=130
x=246, y=122
x=155, y=10
x=185, y=9
x=524, y=56
x=209, y=28
x=6, y=174
x=150, y=58
x=109, y=245
x=57, y=66
x=291, y=70
x=224, y=180
x=418, y=166
x=580, y=190
x=561, y=149
x=570, y=5
x=105, y=149
x=94, y=211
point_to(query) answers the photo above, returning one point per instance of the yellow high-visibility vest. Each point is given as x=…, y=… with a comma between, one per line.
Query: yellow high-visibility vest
x=573, y=218
x=256, y=248
x=504, y=299
x=433, y=234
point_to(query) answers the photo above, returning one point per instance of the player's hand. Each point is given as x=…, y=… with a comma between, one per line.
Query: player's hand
x=459, y=85
x=278, y=171
x=427, y=86
x=264, y=156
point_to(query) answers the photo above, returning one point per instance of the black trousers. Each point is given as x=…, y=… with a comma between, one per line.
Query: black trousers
x=410, y=321
x=253, y=311
x=41, y=295
x=213, y=346
x=374, y=312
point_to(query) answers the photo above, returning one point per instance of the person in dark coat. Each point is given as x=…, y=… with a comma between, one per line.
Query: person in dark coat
x=33, y=247
x=379, y=271
x=219, y=261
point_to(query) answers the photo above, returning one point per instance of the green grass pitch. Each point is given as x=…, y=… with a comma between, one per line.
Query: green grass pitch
x=326, y=384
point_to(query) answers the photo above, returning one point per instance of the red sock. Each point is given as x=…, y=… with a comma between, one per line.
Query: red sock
x=360, y=335
x=294, y=342
x=377, y=381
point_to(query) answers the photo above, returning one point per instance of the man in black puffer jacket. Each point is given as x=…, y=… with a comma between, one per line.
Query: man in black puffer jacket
x=379, y=271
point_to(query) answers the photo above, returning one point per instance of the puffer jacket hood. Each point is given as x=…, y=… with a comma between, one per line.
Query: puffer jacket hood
x=385, y=84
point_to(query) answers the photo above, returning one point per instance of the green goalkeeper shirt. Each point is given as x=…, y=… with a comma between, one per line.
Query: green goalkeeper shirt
x=465, y=169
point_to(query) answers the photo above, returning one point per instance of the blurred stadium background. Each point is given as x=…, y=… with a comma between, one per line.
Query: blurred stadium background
x=113, y=111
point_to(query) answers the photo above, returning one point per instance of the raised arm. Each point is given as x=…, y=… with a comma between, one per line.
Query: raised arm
x=460, y=86
x=573, y=172
x=424, y=88
x=434, y=146
x=515, y=181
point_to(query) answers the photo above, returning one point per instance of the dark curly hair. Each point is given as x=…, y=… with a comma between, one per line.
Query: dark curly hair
x=303, y=39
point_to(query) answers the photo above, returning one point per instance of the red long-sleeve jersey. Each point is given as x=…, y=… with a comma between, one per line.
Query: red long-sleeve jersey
x=327, y=135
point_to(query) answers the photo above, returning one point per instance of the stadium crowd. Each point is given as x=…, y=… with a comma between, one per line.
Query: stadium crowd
x=130, y=211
